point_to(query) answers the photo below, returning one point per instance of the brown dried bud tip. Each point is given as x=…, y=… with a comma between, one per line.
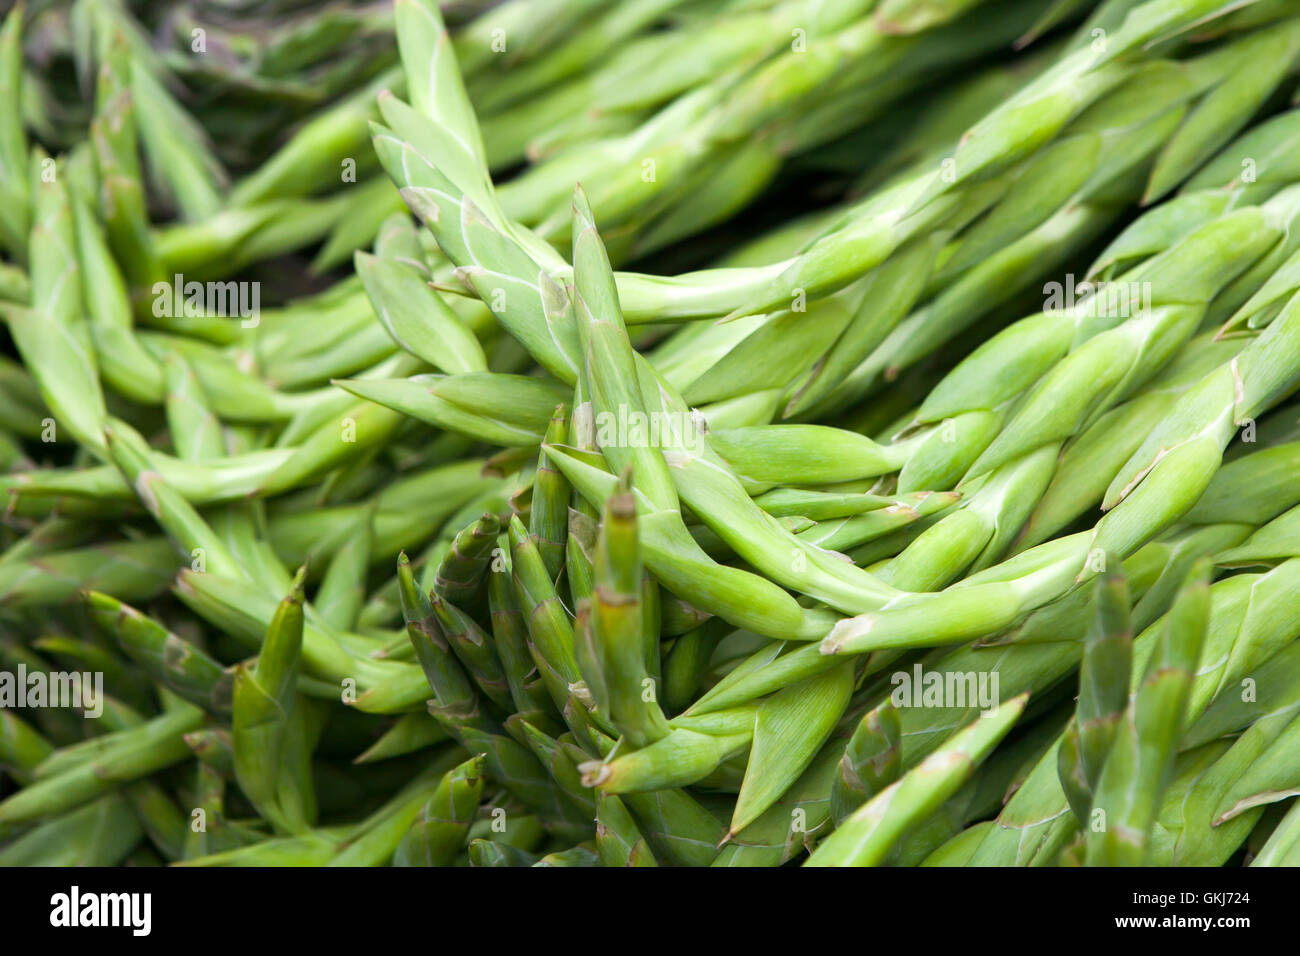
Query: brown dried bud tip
x=623, y=506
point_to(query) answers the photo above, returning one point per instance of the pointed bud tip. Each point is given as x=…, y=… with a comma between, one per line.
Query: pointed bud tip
x=297, y=589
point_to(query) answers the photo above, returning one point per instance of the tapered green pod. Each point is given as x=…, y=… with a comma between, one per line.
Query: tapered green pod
x=1103, y=694
x=616, y=623
x=439, y=832
x=872, y=761
x=549, y=513
x=1137, y=769
x=269, y=722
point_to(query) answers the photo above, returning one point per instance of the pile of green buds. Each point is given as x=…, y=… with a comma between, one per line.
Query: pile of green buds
x=664, y=432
